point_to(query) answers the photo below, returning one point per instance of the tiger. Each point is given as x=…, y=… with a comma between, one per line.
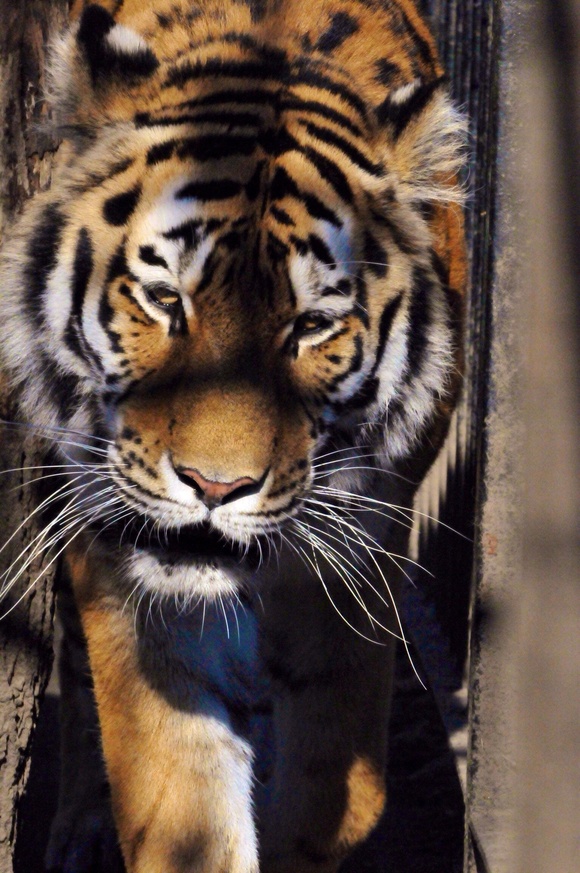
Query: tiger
x=236, y=318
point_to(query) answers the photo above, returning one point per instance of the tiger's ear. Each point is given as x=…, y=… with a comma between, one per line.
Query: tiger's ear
x=427, y=141
x=112, y=51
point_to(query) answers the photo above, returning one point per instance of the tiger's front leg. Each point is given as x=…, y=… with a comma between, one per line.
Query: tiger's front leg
x=332, y=690
x=180, y=775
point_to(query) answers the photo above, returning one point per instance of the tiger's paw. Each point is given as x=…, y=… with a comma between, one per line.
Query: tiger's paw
x=84, y=843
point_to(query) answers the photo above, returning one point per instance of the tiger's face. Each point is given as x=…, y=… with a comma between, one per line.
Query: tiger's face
x=225, y=345
x=224, y=296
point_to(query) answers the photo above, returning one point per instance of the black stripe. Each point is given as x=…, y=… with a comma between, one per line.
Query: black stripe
x=106, y=316
x=82, y=269
x=129, y=65
x=333, y=139
x=331, y=173
x=94, y=26
x=354, y=365
x=340, y=332
x=134, y=459
x=164, y=21
x=237, y=119
x=455, y=301
x=149, y=256
x=218, y=189
x=254, y=185
x=118, y=209
x=215, y=224
x=305, y=73
x=210, y=266
x=342, y=288
x=215, y=146
x=72, y=340
x=258, y=8
x=425, y=51
x=282, y=185
x=300, y=245
x=282, y=216
x=399, y=238
x=284, y=510
x=118, y=398
x=398, y=115
x=276, y=141
x=323, y=110
x=357, y=359
x=342, y=26
x=364, y=397
x=61, y=388
x=74, y=336
x=320, y=250
x=375, y=255
x=385, y=325
x=387, y=71
x=118, y=265
x=232, y=95
x=232, y=240
x=146, y=319
x=419, y=320
x=277, y=250
x=161, y=152
x=216, y=68
x=233, y=119
x=256, y=48
x=188, y=232
x=178, y=324
x=202, y=148
x=42, y=253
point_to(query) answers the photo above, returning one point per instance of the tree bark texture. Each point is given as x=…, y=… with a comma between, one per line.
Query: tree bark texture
x=26, y=157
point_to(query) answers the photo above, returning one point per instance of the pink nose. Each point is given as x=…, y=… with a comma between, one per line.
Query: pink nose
x=217, y=493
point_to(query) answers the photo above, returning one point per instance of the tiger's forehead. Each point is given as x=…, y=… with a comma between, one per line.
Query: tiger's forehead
x=185, y=199
x=176, y=237
x=287, y=41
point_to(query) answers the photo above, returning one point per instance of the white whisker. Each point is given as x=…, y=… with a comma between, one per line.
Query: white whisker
x=314, y=565
x=365, y=580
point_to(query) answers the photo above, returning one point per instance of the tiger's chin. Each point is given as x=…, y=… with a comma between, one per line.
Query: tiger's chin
x=192, y=563
x=189, y=580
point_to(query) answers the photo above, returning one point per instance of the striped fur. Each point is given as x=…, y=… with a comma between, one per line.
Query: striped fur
x=252, y=255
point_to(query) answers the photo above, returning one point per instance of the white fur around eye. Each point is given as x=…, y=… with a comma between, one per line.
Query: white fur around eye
x=125, y=41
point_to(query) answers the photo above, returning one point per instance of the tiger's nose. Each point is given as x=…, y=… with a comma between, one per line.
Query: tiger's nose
x=214, y=493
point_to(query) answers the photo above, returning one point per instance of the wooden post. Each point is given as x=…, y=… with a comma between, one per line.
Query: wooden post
x=26, y=156
x=547, y=704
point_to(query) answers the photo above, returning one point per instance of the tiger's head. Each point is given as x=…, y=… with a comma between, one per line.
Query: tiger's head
x=240, y=266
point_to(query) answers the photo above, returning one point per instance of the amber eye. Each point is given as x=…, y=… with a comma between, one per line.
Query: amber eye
x=163, y=295
x=311, y=322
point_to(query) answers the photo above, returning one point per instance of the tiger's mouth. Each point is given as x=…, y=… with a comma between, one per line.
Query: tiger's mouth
x=203, y=542
x=197, y=543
